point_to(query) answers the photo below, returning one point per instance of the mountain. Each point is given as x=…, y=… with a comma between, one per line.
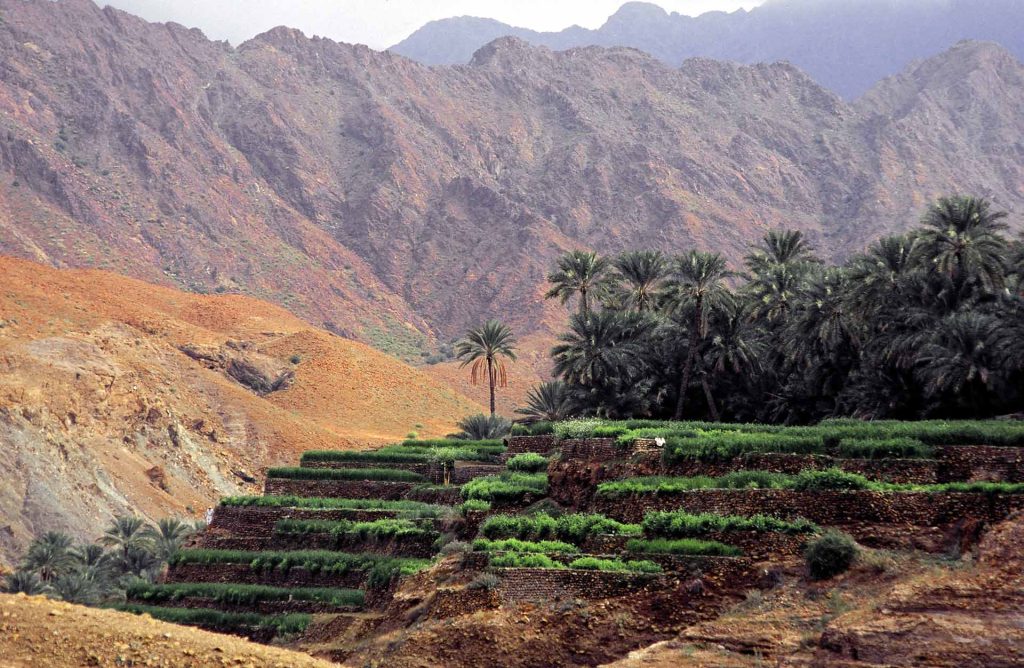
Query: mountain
x=845, y=45
x=120, y=396
x=398, y=203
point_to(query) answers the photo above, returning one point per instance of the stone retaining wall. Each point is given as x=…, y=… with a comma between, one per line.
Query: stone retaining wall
x=980, y=462
x=541, y=445
x=339, y=489
x=260, y=607
x=544, y=584
x=461, y=473
x=408, y=546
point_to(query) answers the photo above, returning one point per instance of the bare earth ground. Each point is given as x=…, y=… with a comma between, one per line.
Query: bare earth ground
x=37, y=632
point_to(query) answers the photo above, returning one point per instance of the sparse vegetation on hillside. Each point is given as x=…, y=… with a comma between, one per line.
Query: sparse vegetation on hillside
x=926, y=324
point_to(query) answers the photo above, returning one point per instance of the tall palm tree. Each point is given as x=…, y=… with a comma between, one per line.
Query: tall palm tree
x=484, y=348
x=581, y=273
x=788, y=247
x=876, y=277
x=961, y=240
x=50, y=556
x=168, y=537
x=642, y=274
x=595, y=349
x=127, y=533
x=696, y=290
x=548, y=401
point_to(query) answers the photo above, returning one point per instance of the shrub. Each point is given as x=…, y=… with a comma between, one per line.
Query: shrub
x=900, y=447
x=596, y=564
x=298, y=473
x=829, y=479
x=519, y=430
x=455, y=547
x=685, y=546
x=24, y=582
x=242, y=594
x=222, y=621
x=542, y=428
x=524, y=560
x=486, y=581
x=516, y=545
x=480, y=427
x=830, y=555
x=528, y=462
x=677, y=524
x=474, y=506
x=507, y=487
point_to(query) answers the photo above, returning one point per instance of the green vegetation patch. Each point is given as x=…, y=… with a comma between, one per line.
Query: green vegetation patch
x=222, y=621
x=508, y=487
x=299, y=473
x=380, y=529
x=574, y=528
x=524, y=560
x=683, y=546
x=680, y=524
x=243, y=594
x=412, y=508
x=615, y=565
x=516, y=545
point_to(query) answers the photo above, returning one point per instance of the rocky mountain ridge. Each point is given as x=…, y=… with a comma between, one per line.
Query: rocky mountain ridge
x=398, y=203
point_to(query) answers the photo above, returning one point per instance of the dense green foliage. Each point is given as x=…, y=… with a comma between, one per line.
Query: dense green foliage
x=926, y=324
x=829, y=479
x=528, y=462
x=298, y=473
x=506, y=487
x=573, y=528
x=223, y=621
x=516, y=545
x=403, y=508
x=680, y=524
x=830, y=554
x=242, y=594
x=682, y=546
x=482, y=427
x=597, y=564
x=524, y=560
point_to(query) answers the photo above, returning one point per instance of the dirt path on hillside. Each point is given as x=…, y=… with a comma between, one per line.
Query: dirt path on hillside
x=37, y=632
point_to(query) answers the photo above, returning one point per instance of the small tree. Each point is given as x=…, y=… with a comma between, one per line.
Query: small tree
x=484, y=347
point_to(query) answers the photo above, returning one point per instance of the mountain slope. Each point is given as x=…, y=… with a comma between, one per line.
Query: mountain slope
x=846, y=45
x=399, y=204
x=118, y=396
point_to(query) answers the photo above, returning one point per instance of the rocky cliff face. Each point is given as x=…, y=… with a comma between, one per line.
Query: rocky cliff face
x=398, y=203
x=845, y=45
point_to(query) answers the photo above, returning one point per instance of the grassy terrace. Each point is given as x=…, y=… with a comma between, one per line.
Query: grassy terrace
x=682, y=546
x=382, y=474
x=243, y=594
x=535, y=560
x=680, y=524
x=403, y=508
x=516, y=545
x=509, y=486
x=223, y=621
x=567, y=528
x=841, y=438
x=412, y=452
x=379, y=568
x=827, y=480
x=387, y=528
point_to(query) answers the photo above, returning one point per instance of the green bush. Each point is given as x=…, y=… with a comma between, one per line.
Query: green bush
x=507, y=487
x=524, y=560
x=829, y=479
x=516, y=545
x=528, y=462
x=573, y=528
x=242, y=594
x=542, y=428
x=222, y=621
x=683, y=546
x=831, y=554
x=679, y=524
x=485, y=581
x=297, y=473
x=474, y=506
x=596, y=564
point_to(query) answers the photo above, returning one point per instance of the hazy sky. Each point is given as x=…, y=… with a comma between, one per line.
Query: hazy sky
x=382, y=23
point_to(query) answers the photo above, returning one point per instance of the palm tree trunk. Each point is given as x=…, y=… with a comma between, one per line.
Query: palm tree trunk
x=711, y=400
x=691, y=354
x=490, y=380
x=584, y=303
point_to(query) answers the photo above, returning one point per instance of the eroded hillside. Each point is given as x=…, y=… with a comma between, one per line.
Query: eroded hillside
x=119, y=396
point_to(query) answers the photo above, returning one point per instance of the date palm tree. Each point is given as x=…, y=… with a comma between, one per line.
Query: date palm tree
x=168, y=537
x=696, y=290
x=642, y=274
x=484, y=348
x=548, y=401
x=127, y=533
x=580, y=273
x=50, y=556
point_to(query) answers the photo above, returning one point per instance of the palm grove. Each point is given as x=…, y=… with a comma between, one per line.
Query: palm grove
x=927, y=324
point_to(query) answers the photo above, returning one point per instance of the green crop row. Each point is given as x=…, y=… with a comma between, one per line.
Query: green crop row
x=242, y=594
x=574, y=528
x=222, y=621
x=386, y=528
x=516, y=545
x=299, y=473
x=682, y=546
x=680, y=524
x=534, y=560
x=528, y=462
x=412, y=508
x=509, y=486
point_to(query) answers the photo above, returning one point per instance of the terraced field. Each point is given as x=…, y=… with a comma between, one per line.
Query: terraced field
x=355, y=556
